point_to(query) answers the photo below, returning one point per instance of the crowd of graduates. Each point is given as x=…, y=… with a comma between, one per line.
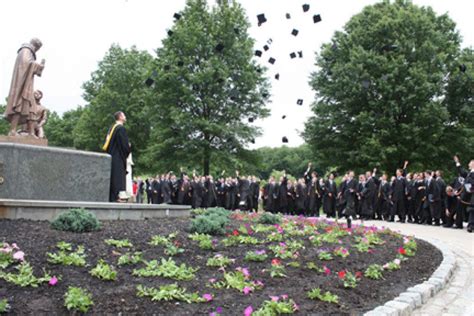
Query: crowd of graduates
x=420, y=197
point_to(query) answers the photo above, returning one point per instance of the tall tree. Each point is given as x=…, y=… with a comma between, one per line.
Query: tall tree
x=208, y=87
x=379, y=88
x=117, y=84
x=59, y=129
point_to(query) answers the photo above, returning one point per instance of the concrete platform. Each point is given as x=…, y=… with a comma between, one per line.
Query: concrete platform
x=48, y=210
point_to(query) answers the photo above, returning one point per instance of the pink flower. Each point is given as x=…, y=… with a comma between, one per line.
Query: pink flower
x=19, y=255
x=14, y=246
x=247, y=290
x=397, y=261
x=284, y=296
x=246, y=272
x=248, y=311
x=53, y=281
x=258, y=283
x=326, y=270
x=208, y=297
x=212, y=280
x=296, y=307
x=274, y=298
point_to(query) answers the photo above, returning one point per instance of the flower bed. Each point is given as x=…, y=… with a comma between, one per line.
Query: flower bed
x=299, y=266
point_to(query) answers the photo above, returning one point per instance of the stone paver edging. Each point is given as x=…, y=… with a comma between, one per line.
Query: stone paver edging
x=414, y=297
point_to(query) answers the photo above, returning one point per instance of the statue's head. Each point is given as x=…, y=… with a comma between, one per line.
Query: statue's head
x=38, y=95
x=36, y=43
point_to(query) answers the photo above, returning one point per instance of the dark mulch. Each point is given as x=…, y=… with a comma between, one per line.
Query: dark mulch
x=37, y=238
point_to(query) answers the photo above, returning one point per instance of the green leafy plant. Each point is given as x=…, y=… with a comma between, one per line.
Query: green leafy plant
x=348, y=278
x=124, y=243
x=363, y=246
x=260, y=228
x=4, y=306
x=294, y=264
x=173, y=249
x=167, y=269
x=325, y=255
x=257, y=256
x=238, y=280
x=374, y=271
x=168, y=293
x=219, y=261
x=130, y=258
x=212, y=222
x=104, y=271
x=274, y=237
x=76, y=220
x=393, y=265
x=77, y=299
x=341, y=252
x=269, y=218
x=314, y=266
x=316, y=294
x=159, y=240
x=247, y=240
x=25, y=276
x=205, y=241
x=278, y=306
x=66, y=256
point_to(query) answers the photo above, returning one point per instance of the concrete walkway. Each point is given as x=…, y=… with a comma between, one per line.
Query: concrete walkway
x=458, y=297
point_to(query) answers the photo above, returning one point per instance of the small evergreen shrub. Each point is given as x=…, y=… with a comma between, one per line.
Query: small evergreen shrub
x=76, y=220
x=212, y=222
x=269, y=218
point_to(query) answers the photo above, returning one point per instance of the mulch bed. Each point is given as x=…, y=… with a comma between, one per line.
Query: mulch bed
x=114, y=297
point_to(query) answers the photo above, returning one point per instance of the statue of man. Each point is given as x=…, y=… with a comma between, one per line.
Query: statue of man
x=41, y=115
x=21, y=104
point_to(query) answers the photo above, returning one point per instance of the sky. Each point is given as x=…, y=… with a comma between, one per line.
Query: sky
x=76, y=35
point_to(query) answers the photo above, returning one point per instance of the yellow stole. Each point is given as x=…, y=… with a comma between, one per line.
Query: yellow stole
x=109, y=137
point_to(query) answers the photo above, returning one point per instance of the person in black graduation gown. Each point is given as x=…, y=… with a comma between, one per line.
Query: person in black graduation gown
x=184, y=194
x=269, y=194
x=211, y=194
x=340, y=200
x=457, y=211
x=466, y=198
x=313, y=194
x=442, y=189
x=148, y=183
x=254, y=192
x=301, y=193
x=118, y=146
x=166, y=189
x=350, y=195
x=291, y=198
x=329, y=196
x=399, y=195
x=243, y=191
x=384, y=201
x=283, y=194
x=156, y=190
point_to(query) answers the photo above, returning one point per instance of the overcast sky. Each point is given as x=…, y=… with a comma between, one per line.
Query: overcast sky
x=77, y=33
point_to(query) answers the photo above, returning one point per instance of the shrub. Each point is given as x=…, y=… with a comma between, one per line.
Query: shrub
x=4, y=306
x=212, y=222
x=76, y=220
x=269, y=218
x=78, y=299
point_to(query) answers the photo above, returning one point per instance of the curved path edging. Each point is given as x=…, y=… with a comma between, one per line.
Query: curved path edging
x=414, y=297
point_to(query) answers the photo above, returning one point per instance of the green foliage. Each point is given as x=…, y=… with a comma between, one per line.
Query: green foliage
x=59, y=129
x=276, y=307
x=219, y=261
x=76, y=220
x=212, y=222
x=104, y=271
x=237, y=280
x=257, y=256
x=25, y=276
x=316, y=294
x=314, y=266
x=374, y=271
x=167, y=269
x=66, y=256
x=159, y=240
x=77, y=299
x=6, y=258
x=130, y=258
x=325, y=255
x=341, y=252
x=349, y=280
x=172, y=249
x=379, y=91
x=169, y=292
x=4, y=306
x=269, y=218
x=124, y=243
x=277, y=271
x=4, y=125
x=205, y=241
x=205, y=97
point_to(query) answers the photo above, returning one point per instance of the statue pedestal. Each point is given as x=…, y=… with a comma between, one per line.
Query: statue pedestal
x=25, y=140
x=49, y=173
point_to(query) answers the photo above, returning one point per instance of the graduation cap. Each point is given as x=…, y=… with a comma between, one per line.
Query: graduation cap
x=180, y=63
x=277, y=76
x=170, y=32
x=288, y=16
x=251, y=119
x=283, y=117
x=261, y=19
x=284, y=139
x=266, y=47
x=219, y=47
x=389, y=47
x=252, y=141
x=294, y=32
x=258, y=53
x=269, y=41
x=166, y=67
x=177, y=16
x=258, y=70
x=300, y=54
x=293, y=55
x=195, y=87
x=272, y=60
x=236, y=31
x=316, y=18
x=265, y=95
x=462, y=68
x=149, y=82
x=365, y=84
x=305, y=7
x=299, y=102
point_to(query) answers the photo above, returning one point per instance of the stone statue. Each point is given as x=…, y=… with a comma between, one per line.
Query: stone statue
x=38, y=119
x=21, y=104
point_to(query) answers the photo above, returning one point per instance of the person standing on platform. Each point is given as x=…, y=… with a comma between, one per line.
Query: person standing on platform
x=118, y=146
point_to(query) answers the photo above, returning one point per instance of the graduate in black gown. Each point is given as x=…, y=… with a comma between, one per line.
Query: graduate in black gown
x=118, y=146
x=329, y=196
x=466, y=198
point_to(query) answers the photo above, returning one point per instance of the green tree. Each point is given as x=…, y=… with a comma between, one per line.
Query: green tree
x=117, y=84
x=4, y=125
x=379, y=86
x=208, y=87
x=59, y=129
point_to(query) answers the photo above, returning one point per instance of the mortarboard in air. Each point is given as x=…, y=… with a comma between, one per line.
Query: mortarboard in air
x=365, y=84
x=277, y=76
x=266, y=47
x=462, y=68
x=265, y=95
x=269, y=41
x=180, y=63
x=258, y=70
x=258, y=53
x=284, y=139
x=288, y=16
x=283, y=117
x=149, y=82
x=220, y=80
x=170, y=32
x=251, y=119
x=236, y=31
x=177, y=16
x=305, y=7
x=293, y=55
x=261, y=19
x=389, y=48
x=219, y=47
x=195, y=87
x=272, y=60
x=252, y=141
x=294, y=32
x=299, y=102
x=166, y=67
x=300, y=54
x=316, y=18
